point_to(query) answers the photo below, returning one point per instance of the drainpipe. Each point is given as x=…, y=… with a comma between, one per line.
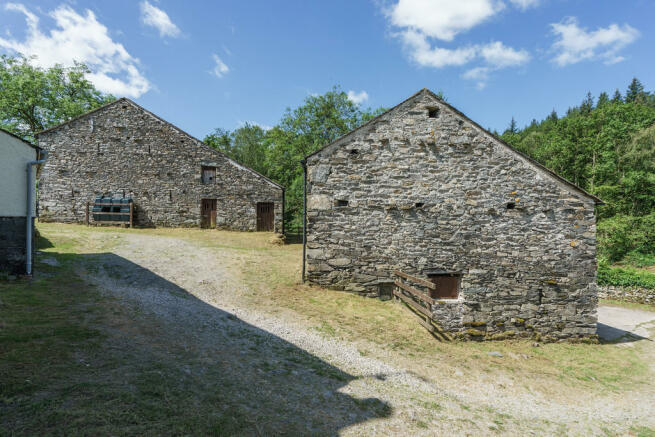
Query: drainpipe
x=304, y=216
x=30, y=188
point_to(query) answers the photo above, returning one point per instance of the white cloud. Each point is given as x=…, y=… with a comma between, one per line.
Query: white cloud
x=357, y=98
x=478, y=74
x=420, y=22
x=80, y=38
x=575, y=44
x=525, y=4
x=499, y=55
x=220, y=69
x=157, y=18
x=421, y=52
x=442, y=19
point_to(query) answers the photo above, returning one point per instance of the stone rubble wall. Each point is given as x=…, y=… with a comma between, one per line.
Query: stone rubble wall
x=429, y=193
x=123, y=149
x=629, y=294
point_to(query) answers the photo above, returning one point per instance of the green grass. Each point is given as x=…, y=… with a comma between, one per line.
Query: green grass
x=630, y=305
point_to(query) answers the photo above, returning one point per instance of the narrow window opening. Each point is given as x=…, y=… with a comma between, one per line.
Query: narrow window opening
x=208, y=175
x=419, y=204
x=433, y=112
x=170, y=195
x=460, y=123
x=354, y=152
x=342, y=203
x=385, y=290
x=541, y=296
x=447, y=284
x=511, y=205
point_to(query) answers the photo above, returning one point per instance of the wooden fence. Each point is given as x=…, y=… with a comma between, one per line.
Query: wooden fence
x=408, y=290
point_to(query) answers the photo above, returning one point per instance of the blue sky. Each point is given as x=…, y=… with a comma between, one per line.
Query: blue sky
x=206, y=64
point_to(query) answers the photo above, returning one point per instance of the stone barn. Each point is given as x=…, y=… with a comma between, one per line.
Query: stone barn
x=507, y=246
x=123, y=150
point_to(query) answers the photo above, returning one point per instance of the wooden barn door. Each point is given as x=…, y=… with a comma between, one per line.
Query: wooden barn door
x=208, y=213
x=265, y=216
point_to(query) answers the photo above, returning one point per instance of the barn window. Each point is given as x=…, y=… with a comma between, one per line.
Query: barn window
x=446, y=284
x=511, y=205
x=208, y=175
x=342, y=203
x=433, y=112
x=354, y=152
x=419, y=204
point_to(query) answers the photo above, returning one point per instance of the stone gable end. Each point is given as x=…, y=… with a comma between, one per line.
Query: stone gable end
x=422, y=188
x=123, y=149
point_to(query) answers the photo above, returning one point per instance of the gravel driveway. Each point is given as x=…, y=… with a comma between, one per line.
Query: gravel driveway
x=193, y=301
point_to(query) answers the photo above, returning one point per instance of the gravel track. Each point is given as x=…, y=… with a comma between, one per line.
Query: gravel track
x=189, y=290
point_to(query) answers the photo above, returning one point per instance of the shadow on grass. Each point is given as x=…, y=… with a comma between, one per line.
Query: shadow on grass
x=170, y=363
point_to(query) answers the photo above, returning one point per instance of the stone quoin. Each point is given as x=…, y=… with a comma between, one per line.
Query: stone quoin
x=424, y=190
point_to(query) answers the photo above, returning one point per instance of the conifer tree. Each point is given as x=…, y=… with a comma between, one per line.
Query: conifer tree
x=587, y=104
x=635, y=93
x=617, y=98
x=553, y=116
x=603, y=99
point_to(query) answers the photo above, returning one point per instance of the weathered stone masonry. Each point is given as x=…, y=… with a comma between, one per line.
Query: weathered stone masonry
x=123, y=149
x=422, y=187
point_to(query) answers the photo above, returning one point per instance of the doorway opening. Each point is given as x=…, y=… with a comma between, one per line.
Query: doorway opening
x=208, y=213
x=265, y=216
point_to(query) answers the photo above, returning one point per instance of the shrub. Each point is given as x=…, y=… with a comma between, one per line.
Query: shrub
x=622, y=234
x=625, y=277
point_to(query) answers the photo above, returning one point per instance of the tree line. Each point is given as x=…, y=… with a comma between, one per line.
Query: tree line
x=605, y=145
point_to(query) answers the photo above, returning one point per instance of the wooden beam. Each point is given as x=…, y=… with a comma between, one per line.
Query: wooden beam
x=419, y=294
x=413, y=304
x=131, y=215
x=423, y=282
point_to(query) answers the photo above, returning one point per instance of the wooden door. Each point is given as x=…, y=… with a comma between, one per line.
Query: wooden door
x=208, y=213
x=265, y=216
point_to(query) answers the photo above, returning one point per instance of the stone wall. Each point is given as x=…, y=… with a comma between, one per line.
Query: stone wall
x=12, y=245
x=629, y=294
x=412, y=192
x=122, y=149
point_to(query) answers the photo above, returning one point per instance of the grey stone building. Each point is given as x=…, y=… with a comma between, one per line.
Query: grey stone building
x=174, y=179
x=422, y=189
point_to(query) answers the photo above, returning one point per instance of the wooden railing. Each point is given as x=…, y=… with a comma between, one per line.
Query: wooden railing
x=419, y=301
